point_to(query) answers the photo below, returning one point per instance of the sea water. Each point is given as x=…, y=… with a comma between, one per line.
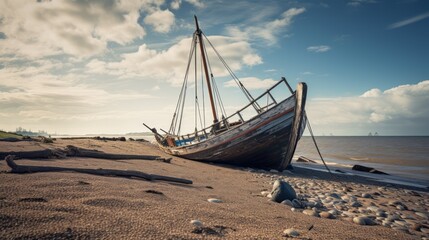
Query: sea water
x=401, y=156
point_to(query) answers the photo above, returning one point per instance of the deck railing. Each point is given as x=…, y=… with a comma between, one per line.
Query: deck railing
x=224, y=123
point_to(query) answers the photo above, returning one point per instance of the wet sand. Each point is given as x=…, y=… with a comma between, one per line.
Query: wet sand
x=75, y=205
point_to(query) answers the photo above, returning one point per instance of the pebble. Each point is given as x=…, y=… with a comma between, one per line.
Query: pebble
x=326, y=215
x=265, y=193
x=334, y=212
x=297, y=204
x=416, y=226
x=356, y=204
x=401, y=223
x=385, y=223
x=424, y=230
x=274, y=171
x=287, y=202
x=366, y=195
x=394, y=202
x=290, y=232
x=335, y=195
x=197, y=223
x=282, y=191
x=214, y=200
x=373, y=209
x=310, y=213
x=392, y=218
x=363, y=221
x=423, y=215
x=381, y=214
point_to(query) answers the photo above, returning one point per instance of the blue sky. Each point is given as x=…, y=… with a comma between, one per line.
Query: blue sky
x=80, y=67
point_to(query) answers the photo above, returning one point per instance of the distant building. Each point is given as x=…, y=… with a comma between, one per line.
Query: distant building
x=25, y=132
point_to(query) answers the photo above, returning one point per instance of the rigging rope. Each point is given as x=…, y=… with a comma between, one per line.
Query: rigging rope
x=320, y=155
x=202, y=92
x=234, y=77
x=196, y=89
x=182, y=95
x=315, y=144
x=215, y=88
x=176, y=122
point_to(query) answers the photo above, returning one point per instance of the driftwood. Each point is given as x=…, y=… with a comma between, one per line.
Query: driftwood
x=304, y=159
x=367, y=169
x=46, y=153
x=15, y=168
x=10, y=139
x=72, y=151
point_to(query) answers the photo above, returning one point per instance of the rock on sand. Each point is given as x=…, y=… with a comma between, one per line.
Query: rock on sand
x=196, y=223
x=282, y=191
x=363, y=221
x=290, y=232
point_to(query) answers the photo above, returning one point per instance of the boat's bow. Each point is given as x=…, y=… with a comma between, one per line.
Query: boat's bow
x=297, y=126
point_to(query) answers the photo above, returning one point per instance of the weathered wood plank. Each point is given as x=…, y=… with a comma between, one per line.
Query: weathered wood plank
x=15, y=168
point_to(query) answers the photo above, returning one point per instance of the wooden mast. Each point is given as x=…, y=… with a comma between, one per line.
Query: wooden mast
x=203, y=55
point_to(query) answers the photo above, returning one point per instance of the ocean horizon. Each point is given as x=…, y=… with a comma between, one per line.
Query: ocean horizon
x=406, y=156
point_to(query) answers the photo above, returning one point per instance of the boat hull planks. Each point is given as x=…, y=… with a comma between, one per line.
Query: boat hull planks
x=266, y=141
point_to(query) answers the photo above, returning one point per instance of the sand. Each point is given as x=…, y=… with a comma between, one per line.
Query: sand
x=74, y=205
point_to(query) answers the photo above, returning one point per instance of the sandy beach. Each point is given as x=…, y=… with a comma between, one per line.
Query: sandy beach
x=69, y=205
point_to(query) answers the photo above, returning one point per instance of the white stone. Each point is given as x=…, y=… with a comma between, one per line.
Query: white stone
x=310, y=213
x=373, y=208
x=291, y=232
x=214, y=200
x=363, y=221
x=265, y=193
x=423, y=215
x=196, y=223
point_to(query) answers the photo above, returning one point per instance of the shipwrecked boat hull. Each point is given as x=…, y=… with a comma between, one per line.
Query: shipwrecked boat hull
x=266, y=141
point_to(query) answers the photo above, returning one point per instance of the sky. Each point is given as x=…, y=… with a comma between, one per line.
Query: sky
x=107, y=66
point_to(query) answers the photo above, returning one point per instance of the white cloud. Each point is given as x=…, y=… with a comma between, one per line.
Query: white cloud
x=170, y=65
x=356, y=3
x=266, y=31
x=252, y=59
x=175, y=4
x=319, y=49
x=160, y=20
x=402, y=108
x=30, y=93
x=375, y=92
x=252, y=83
x=196, y=3
x=409, y=21
x=79, y=28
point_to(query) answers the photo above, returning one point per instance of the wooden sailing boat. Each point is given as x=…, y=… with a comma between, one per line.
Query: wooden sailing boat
x=266, y=139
